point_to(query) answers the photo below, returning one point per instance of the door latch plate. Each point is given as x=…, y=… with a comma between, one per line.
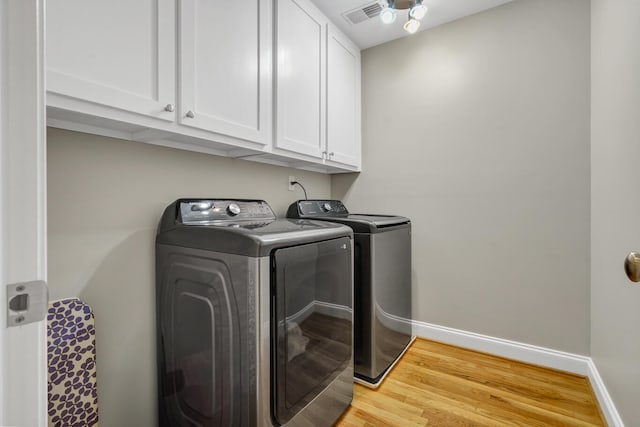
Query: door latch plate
x=26, y=302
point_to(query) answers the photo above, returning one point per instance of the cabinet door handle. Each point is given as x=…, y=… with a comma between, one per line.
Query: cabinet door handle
x=169, y=108
x=190, y=114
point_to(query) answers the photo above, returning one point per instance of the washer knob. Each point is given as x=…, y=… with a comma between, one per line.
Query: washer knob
x=327, y=207
x=233, y=209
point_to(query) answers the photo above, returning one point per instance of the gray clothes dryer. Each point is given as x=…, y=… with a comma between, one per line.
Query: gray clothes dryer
x=254, y=316
x=382, y=284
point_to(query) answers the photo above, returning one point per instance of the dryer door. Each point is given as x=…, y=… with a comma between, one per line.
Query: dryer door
x=312, y=322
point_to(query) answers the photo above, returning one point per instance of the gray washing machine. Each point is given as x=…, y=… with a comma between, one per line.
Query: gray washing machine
x=254, y=316
x=382, y=284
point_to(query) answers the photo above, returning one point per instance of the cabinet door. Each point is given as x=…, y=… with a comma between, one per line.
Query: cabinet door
x=343, y=99
x=117, y=53
x=300, y=98
x=225, y=67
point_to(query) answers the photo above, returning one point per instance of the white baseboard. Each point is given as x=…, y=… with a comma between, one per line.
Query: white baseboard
x=505, y=348
x=604, y=399
x=577, y=364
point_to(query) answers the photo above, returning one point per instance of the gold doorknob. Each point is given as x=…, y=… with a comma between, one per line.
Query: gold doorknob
x=632, y=266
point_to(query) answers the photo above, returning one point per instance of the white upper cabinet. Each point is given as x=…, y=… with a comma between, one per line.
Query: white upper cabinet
x=343, y=99
x=266, y=80
x=114, y=53
x=318, y=87
x=300, y=77
x=225, y=61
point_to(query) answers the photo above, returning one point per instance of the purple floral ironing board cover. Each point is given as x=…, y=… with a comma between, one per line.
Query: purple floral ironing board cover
x=71, y=360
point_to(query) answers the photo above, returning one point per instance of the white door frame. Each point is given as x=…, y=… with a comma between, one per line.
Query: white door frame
x=23, y=220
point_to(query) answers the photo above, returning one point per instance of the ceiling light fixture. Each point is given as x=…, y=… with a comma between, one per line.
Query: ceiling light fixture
x=388, y=14
x=412, y=25
x=417, y=11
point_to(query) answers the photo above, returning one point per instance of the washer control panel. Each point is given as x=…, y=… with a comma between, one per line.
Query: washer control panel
x=203, y=211
x=317, y=208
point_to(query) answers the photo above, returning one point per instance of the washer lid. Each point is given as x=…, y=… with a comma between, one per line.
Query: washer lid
x=366, y=223
x=254, y=235
x=335, y=211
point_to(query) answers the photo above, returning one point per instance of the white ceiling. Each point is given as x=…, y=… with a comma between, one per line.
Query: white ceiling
x=372, y=32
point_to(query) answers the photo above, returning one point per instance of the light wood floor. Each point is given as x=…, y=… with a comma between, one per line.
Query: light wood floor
x=442, y=385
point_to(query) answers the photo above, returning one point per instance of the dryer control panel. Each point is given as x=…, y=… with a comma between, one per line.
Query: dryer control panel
x=317, y=208
x=212, y=211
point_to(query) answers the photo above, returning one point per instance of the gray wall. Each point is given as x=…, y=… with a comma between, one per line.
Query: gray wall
x=615, y=204
x=105, y=197
x=479, y=132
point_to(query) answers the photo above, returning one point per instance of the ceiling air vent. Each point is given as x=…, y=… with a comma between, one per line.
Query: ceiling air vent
x=363, y=13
